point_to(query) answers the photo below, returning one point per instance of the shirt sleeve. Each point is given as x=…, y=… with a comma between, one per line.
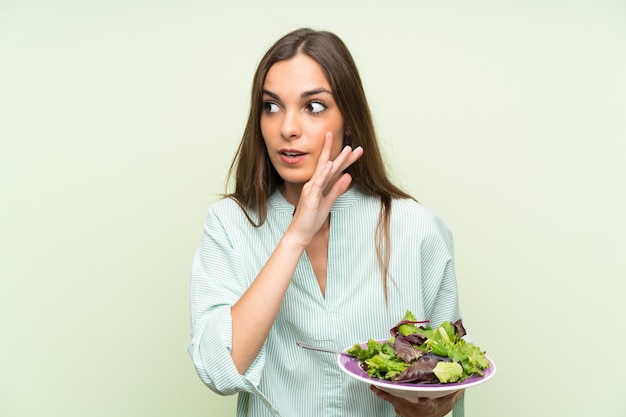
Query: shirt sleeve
x=439, y=276
x=218, y=280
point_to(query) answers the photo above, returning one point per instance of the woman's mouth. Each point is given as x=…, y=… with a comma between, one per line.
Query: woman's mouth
x=290, y=156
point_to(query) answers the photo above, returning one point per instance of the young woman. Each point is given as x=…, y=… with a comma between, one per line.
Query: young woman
x=315, y=244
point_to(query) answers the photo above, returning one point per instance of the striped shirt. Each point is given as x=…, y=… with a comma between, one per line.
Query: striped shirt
x=286, y=380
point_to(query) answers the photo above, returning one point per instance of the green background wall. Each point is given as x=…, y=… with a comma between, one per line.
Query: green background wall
x=118, y=121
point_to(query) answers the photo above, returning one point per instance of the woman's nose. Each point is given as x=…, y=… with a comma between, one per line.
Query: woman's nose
x=290, y=126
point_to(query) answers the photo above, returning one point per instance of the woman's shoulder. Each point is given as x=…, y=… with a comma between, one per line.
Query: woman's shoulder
x=410, y=207
x=224, y=204
x=408, y=212
x=228, y=209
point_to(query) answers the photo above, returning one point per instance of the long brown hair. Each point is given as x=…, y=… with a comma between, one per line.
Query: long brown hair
x=254, y=174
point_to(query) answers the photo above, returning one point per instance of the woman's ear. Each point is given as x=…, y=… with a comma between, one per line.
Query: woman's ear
x=347, y=137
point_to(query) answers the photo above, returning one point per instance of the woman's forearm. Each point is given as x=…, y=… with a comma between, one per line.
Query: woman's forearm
x=255, y=312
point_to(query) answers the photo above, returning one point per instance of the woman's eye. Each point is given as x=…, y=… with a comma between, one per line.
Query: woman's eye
x=315, y=107
x=270, y=107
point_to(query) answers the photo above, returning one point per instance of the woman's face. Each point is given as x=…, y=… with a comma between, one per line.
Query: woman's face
x=298, y=110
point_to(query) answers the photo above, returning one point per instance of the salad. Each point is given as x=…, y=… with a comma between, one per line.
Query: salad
x=417, y=353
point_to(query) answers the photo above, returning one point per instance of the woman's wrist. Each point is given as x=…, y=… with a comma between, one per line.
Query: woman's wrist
x=292, y=242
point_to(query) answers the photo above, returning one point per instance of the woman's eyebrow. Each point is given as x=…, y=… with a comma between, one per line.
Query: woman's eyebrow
x=272, y=95
x=314, y=92
x=305, y=94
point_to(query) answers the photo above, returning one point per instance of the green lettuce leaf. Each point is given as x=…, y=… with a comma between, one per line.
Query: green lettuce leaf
x=448, y=372
x=384, y=366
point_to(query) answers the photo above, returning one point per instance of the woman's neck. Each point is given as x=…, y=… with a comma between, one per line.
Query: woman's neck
x=291, y=192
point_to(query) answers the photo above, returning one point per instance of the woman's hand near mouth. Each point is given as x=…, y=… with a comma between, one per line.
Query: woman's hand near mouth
x=319, y=194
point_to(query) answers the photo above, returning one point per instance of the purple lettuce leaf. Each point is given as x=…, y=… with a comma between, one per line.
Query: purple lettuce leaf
x=405, y=350
x=460, y=330
x=421, y=371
